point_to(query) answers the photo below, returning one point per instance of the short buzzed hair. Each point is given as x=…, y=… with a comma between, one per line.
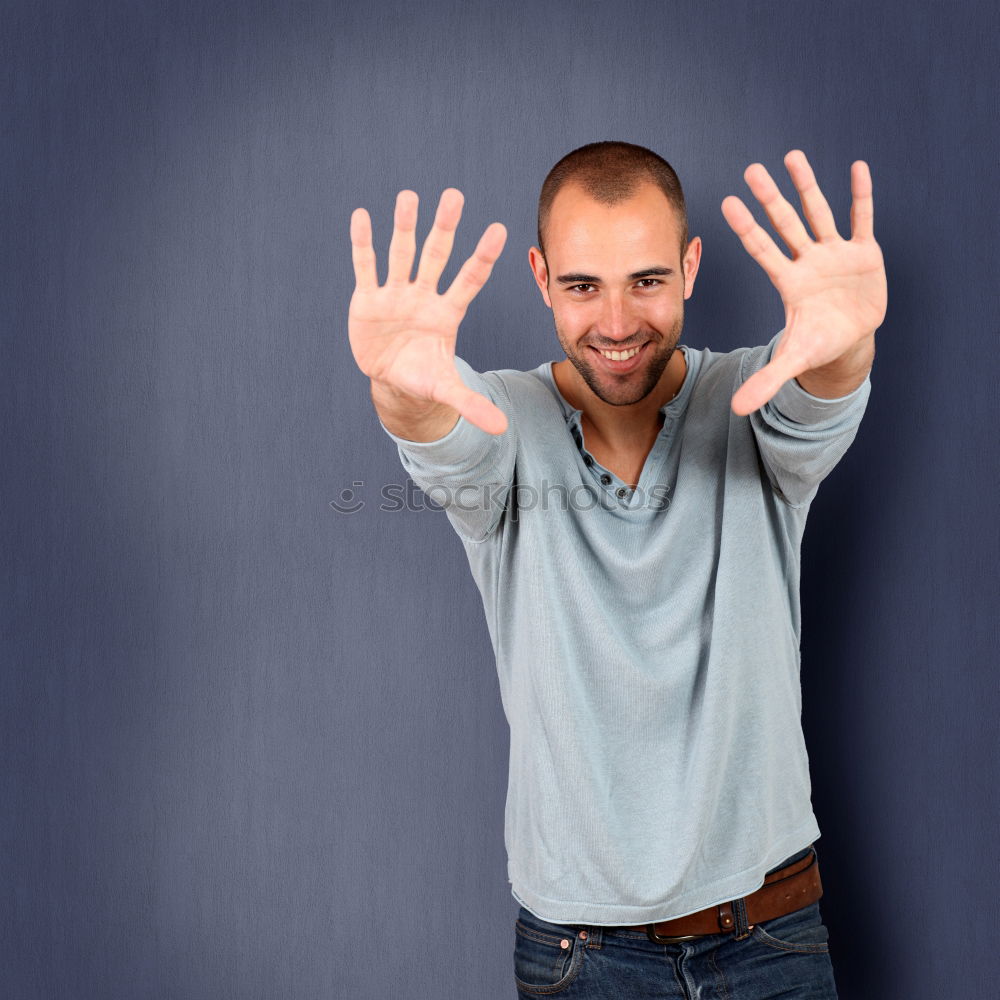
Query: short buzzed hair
x=610, y=172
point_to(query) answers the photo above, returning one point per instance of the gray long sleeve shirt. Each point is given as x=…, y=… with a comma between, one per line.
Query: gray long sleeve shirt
x=647, y=642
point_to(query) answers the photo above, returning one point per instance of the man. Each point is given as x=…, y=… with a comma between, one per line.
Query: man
x=632, y=516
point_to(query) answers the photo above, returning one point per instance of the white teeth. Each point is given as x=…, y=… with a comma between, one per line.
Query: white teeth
x=620, y=355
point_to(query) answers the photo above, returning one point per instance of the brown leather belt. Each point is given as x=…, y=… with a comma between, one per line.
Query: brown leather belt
x=784, y=891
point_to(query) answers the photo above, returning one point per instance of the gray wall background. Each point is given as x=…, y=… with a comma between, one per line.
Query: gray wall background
x=252, y=747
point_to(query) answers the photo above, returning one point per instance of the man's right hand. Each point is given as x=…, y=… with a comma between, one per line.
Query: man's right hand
x=403, y=333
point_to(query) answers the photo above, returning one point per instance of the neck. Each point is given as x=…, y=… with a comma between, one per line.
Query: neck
x=621, y=426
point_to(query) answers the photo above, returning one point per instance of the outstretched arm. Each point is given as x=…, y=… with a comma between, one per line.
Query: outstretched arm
x=833, y=290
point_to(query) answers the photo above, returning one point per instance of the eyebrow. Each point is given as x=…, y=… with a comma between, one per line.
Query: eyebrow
x=649, y=272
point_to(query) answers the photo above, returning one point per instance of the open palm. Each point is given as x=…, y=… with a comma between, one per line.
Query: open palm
x=403, y=333
x=833, y=290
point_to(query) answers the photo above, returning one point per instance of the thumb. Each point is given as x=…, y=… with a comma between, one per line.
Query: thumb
x=762, y=385
x=472, y=405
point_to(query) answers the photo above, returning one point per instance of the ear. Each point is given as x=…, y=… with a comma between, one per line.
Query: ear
x=692, y=258
x=541, y=272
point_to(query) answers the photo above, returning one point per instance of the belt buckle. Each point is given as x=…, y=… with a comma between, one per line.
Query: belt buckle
x=666, y=939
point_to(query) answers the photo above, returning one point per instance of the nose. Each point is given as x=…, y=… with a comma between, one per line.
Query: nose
x=617, y=320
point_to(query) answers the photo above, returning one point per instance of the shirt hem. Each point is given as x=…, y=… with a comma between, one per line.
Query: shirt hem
x=559, y=911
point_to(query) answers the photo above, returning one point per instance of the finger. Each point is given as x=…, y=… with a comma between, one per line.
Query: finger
x=814, y=205
x=472, y=405
x=762, y=385
x=362, y=251
x=862, y=209
x=783, y=217
x=403, y=244
x=755, y=240
x=477, y=269
x=441, y=238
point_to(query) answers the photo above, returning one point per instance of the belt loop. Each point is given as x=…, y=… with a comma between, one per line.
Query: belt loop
x=742, y=927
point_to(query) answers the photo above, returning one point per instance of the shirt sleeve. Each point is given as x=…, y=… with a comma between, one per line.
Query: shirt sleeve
x=801, y=437
x=469, y=471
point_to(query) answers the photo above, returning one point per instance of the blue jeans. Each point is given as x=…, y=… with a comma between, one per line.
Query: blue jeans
x=786, y=957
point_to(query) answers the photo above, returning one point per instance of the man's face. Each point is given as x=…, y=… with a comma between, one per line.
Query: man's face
x=614, y=279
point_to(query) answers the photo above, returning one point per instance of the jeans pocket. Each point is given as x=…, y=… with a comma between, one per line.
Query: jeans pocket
x=801, y=930
x=545, y=961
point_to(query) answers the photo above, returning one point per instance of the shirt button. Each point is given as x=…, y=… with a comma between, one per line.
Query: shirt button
x=622, y=492
x=587, y=460
x=606, y=479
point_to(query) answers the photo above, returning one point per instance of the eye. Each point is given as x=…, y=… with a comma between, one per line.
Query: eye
x=652, y=282
x=577, y=288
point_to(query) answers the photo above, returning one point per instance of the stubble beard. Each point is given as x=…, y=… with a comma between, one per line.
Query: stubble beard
x=624, y=390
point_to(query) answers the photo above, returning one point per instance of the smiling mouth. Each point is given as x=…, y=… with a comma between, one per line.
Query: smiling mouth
x=620, y=361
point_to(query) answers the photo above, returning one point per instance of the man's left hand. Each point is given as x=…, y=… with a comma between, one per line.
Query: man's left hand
x=833, y=290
